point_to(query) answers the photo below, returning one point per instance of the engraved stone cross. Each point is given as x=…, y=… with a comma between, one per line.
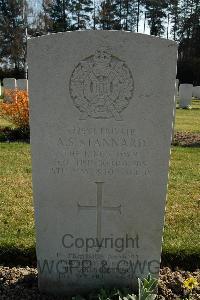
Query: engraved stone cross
x=99, y=208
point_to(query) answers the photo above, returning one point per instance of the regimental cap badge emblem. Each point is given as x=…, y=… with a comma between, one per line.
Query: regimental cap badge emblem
x=101, y=86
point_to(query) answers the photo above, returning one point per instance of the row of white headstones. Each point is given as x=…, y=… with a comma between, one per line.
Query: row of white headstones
x=184, y=91
x=12, y=83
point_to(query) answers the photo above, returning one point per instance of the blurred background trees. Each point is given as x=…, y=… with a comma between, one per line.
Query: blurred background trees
x=12, y=34
x=174, y=19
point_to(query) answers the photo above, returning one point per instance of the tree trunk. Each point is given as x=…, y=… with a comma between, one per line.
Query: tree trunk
x=138, y=14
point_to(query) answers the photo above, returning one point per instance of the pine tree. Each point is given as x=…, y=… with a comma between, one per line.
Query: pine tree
x=189, y=46
x=107, y=18
x=139, y=4
x=57, y=15
x=175, y=12
x=118, y=15
x=156, y=14
x=132, y=12
x=13, y=33
x=94, y=14
x=81, y=11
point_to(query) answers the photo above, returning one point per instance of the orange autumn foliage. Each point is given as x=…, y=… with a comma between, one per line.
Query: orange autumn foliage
x=16, y=110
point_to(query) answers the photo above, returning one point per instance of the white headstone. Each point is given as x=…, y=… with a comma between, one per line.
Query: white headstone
x=100, y=135
x=0, y=89
x=185, y=93
x=22, y=84
x=196, y=92
x=9, y=84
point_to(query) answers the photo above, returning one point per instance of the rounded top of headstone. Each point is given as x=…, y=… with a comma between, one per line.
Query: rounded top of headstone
x=103, y=33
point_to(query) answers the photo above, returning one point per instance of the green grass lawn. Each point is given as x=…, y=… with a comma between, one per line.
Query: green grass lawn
x=182, y=226
x=188, y=119
x=16, y=215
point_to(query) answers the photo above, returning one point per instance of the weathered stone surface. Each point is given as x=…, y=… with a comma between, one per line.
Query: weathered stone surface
x=101, y=126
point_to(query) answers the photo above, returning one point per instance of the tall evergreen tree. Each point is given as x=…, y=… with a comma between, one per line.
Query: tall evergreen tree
x=94, y=14
x=107, y=18
x=186, y=9
x=120, y=14
x=174, y=11
x=156, y=15
x=13, y=24
x=81, y=11
x=57, y=15
x=139, y=5
x=130, y=14
x=189, y=46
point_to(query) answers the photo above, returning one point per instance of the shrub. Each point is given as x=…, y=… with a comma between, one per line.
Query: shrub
x=17, y=109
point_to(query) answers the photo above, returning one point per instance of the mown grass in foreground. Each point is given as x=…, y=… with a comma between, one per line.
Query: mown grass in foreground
x=182, y=226
x=188, y=119
x=5, y=123
x=17, y=233
x=16, y=213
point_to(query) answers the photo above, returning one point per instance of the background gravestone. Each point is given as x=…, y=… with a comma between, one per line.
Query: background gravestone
x=196, y=92
x=100, y=134
x=185, y=93
x=10, y=84
x=22, y=84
